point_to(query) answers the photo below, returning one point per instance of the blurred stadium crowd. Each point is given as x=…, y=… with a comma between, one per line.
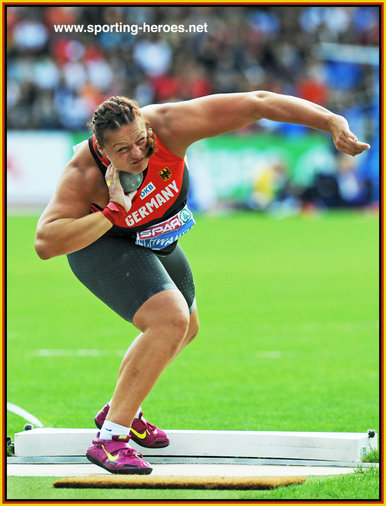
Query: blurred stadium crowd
x=55, y=80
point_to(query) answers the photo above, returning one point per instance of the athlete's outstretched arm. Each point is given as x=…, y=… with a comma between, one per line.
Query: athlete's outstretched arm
x=186, y=122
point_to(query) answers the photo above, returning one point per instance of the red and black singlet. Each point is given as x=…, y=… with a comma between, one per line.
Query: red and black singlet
x=162, y=194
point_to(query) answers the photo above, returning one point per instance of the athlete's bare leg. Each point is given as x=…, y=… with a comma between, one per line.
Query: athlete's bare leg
x=164, y=321
x=192, y=332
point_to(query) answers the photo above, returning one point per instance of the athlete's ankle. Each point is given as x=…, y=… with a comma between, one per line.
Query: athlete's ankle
x=110, y=429
x=136, y=414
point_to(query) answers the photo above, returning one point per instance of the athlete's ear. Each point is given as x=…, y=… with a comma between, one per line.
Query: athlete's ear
x=100, y=149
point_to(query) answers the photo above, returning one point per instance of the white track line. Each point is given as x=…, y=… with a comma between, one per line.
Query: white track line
x=24, y=414
x=178, y=470
x=49, y=353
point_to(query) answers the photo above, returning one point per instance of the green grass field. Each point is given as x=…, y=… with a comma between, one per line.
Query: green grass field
x=289, y=340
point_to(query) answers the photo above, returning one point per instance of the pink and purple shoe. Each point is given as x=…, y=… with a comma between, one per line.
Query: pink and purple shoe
x=142, y=432
x=116, y=456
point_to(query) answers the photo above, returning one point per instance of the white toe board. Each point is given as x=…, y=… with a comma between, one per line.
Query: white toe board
x=329, y=446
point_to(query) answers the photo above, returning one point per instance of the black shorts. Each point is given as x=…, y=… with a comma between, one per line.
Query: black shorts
x=124, y=275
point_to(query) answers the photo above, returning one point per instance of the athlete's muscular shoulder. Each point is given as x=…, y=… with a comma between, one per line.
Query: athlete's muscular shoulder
x=163, y=123
x=80, y=184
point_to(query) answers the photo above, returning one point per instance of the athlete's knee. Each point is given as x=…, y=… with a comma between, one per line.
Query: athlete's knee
x=171, y=330
x=176, y=323
x=167, y=313
x=194, y=327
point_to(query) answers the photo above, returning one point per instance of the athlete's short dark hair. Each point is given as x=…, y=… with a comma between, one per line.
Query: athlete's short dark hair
x=115, y=112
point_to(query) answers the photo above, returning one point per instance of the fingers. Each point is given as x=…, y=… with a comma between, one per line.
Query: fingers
x=362, y=145
x=109, y=174
x=114, y=186
x=116, y=192
x=357, y=148
x=112, y=175
x=344, y=139
x=348, y=143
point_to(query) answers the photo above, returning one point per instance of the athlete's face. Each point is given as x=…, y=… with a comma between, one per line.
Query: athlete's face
x=127, y=147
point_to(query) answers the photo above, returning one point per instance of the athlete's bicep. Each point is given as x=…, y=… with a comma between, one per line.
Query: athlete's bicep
x=208, y=116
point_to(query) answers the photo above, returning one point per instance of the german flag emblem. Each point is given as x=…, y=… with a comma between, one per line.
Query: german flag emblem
x=165, y=173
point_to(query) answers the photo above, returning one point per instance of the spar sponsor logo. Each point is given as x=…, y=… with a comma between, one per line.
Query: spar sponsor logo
x=170, y=191
x=170, y=225
x=169, y=231
x=185, y=215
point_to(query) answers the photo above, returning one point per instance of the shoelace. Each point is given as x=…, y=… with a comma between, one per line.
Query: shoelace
x=130, y=452
x=146, y=423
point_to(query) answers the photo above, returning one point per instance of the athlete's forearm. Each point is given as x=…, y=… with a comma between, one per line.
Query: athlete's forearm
x=288, y=109
x=65, y=235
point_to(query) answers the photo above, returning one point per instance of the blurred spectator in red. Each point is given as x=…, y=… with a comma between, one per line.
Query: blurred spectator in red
x=313, y=86
x=59, y=15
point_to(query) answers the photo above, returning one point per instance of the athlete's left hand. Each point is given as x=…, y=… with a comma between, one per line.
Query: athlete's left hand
x=343, y=138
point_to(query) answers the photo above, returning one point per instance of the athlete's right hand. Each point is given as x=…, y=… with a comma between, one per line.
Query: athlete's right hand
x=116, y=192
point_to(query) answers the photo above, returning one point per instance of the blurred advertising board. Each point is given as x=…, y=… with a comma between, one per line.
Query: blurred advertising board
x=222, y=168
x=229, y=167
x=35, y=161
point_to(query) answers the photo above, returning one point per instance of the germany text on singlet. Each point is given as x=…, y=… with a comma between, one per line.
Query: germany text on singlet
x=159, y=215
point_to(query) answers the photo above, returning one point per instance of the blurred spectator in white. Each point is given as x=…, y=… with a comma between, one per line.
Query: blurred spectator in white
x=46, y=74
x=153, y=55
x=30, y=35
